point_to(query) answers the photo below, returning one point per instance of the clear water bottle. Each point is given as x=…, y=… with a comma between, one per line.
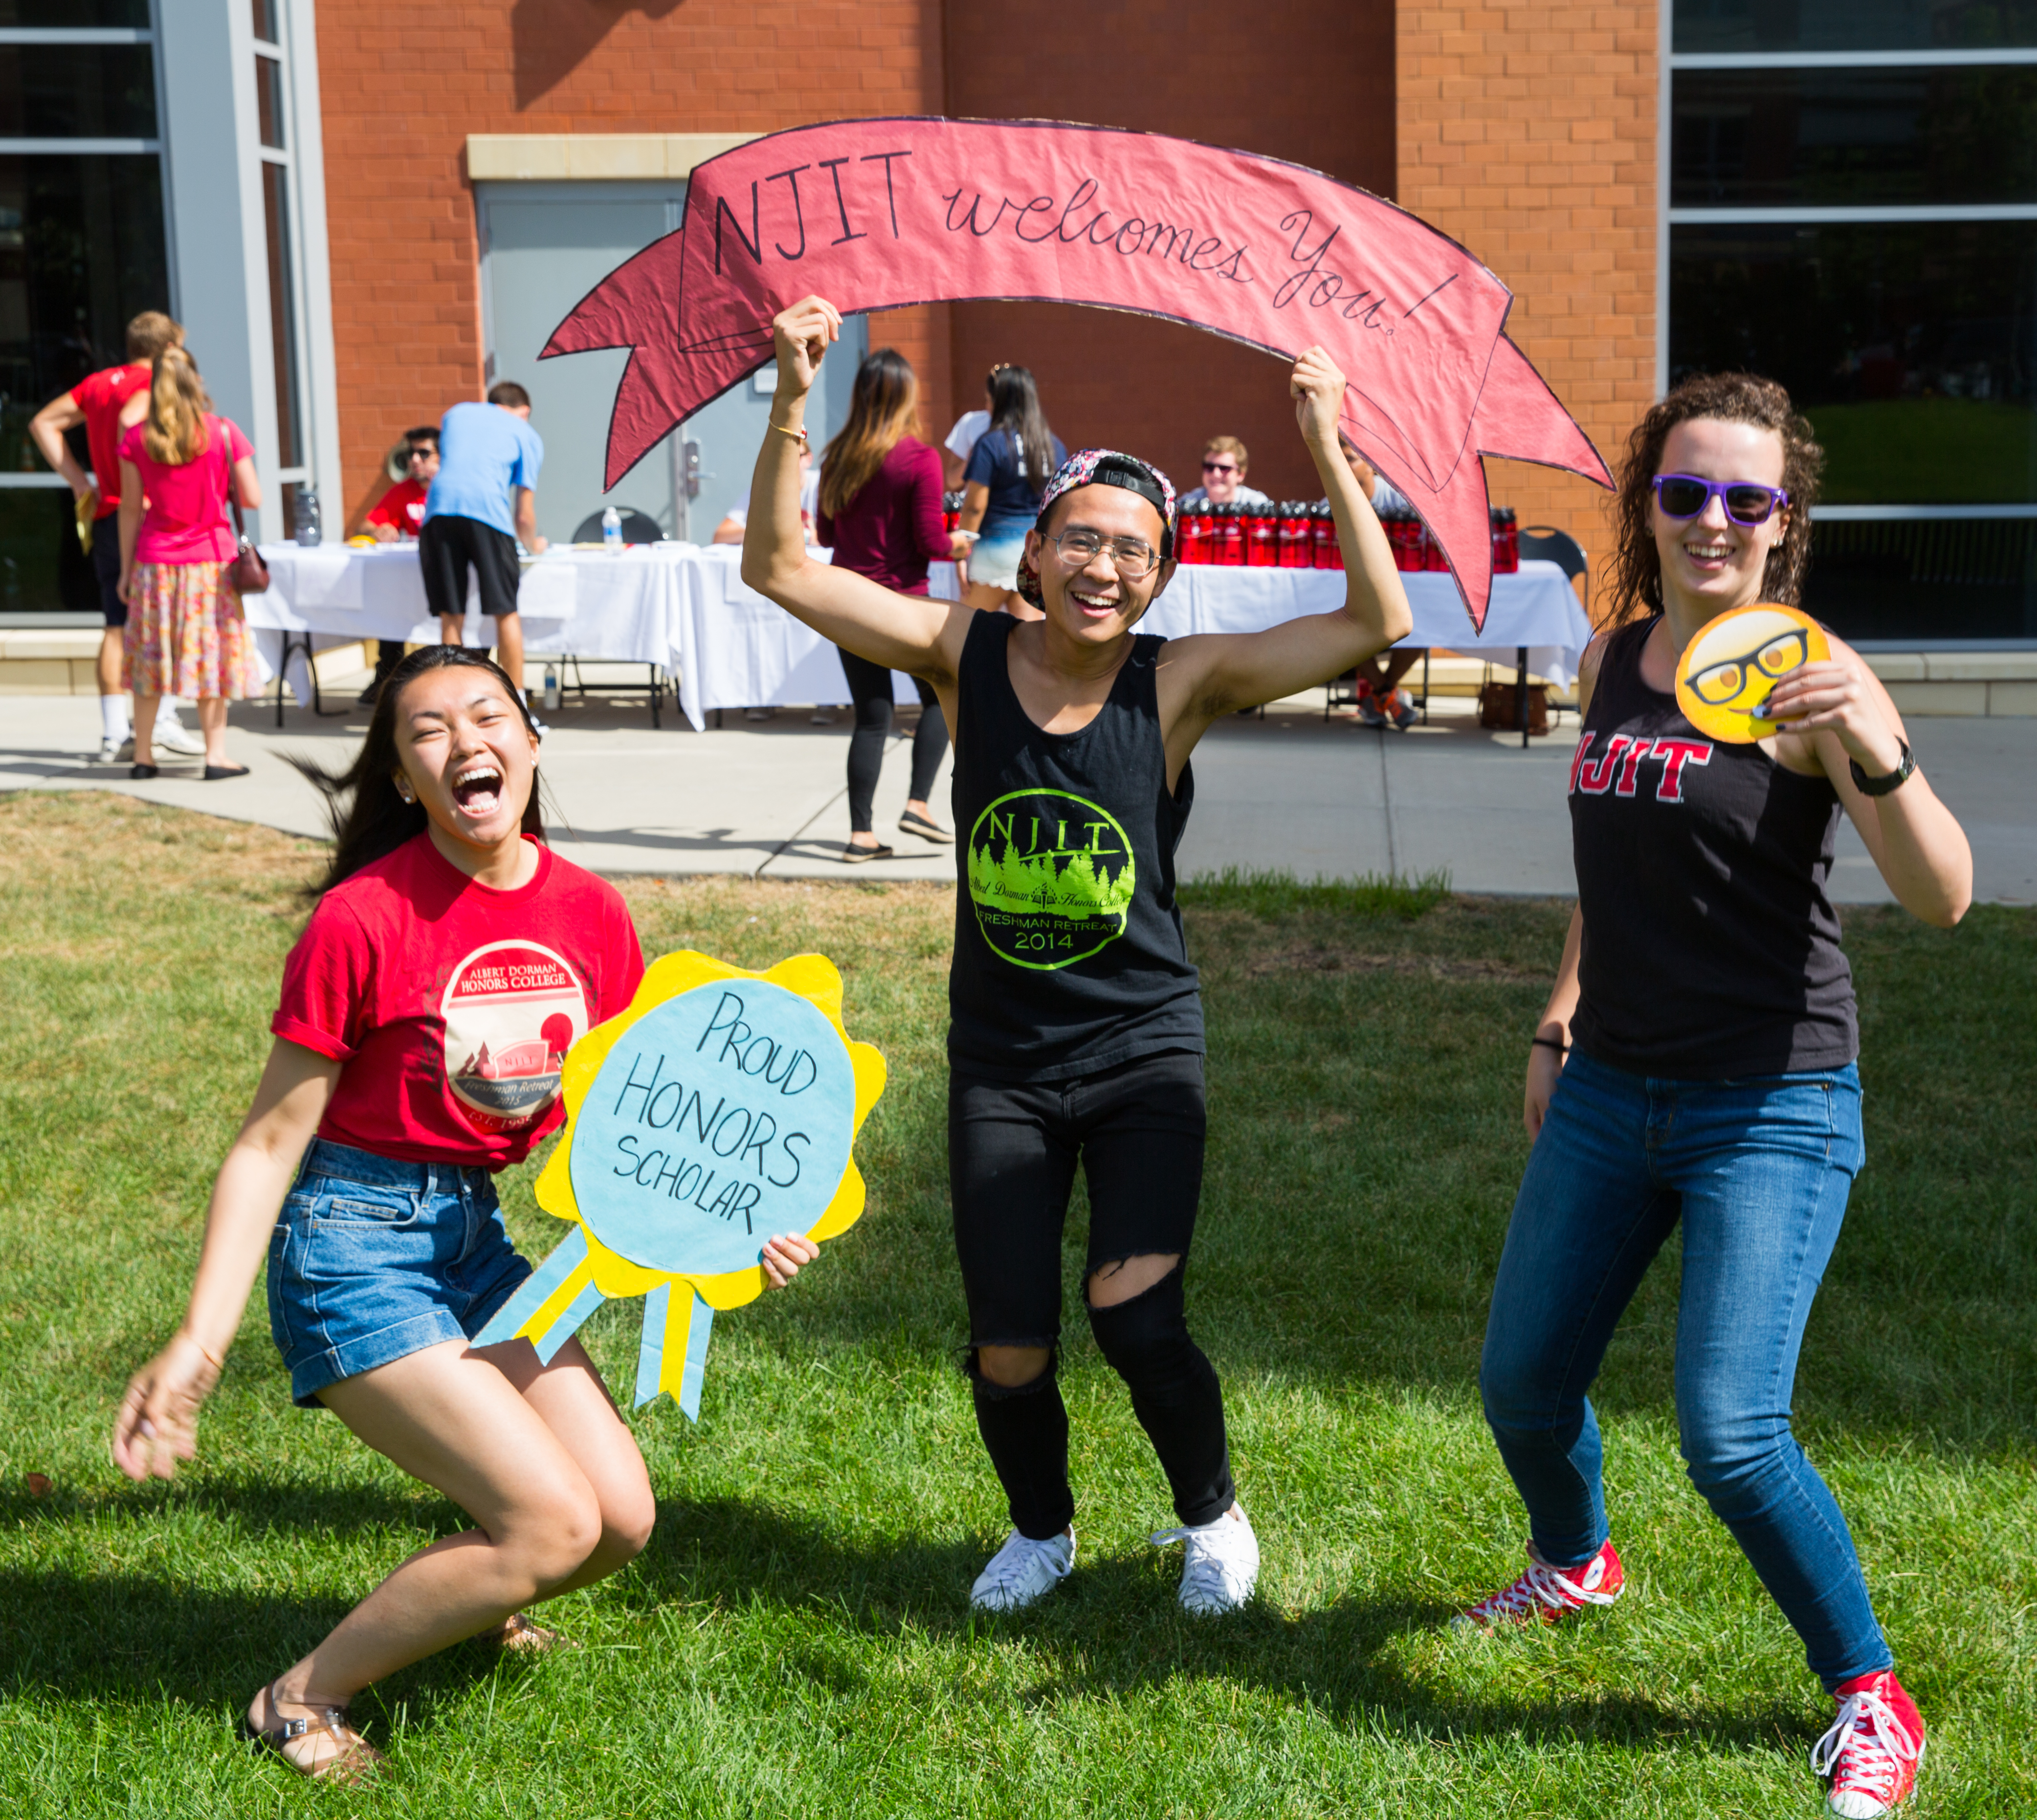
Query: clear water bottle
x=551, y=697
x=611, y=530
x=306, y=513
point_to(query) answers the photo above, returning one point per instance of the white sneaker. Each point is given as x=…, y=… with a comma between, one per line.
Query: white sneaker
x=1022, y=1571
x=1222, y=1563
x=172, y=736
x=117, y=751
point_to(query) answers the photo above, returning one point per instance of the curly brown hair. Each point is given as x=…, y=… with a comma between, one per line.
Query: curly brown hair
x=1730, y=398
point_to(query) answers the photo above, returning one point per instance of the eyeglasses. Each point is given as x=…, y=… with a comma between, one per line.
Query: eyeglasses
x=1219, y=468
x=1718, y=683
x=1748, y=503
x=1132, y=559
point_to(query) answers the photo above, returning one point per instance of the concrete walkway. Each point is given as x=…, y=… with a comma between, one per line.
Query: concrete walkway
x=1289, y=792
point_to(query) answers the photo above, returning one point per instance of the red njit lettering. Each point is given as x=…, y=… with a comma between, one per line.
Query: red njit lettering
x=1618, y=767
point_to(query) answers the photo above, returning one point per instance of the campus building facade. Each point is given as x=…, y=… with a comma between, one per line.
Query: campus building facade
x=363, y=216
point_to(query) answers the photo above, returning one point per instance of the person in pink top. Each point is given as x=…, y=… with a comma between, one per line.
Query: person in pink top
x=880, y=511
x=184, y=634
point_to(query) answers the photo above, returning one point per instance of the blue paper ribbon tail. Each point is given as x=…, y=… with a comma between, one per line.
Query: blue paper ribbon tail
x=562, y=1330
x=651, y=1348
x=697, y=1330
x=536, y=1289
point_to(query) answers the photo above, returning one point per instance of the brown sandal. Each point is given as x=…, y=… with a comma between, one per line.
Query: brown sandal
x=520, y=1636
x=356, y=1764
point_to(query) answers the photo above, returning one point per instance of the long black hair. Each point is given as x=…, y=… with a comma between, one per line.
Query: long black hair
x=369, y=818
x=1014, y=409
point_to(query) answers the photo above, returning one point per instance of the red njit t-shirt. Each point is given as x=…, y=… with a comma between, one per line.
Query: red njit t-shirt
x=402, y=508
x=451, y=1004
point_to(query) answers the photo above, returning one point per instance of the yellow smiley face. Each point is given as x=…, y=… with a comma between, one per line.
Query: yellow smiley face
x=1730, y=668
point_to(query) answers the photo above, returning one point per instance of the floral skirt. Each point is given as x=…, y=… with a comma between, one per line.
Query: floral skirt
x=185, y=636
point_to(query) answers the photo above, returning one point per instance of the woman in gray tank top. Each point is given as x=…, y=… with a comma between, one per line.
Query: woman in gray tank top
x=1076, y=1034
x=1695, y=1064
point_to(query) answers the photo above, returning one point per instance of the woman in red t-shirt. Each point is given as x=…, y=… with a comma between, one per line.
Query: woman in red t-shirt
x=452, y=961
x=184, y=634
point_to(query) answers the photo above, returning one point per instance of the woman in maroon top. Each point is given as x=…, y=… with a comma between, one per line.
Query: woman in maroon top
x=881, y=513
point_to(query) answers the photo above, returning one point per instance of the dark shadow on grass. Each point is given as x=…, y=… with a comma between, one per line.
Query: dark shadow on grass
x=145, y=1638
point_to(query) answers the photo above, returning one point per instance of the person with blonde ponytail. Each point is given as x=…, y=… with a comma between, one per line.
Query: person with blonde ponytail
x=184, y=634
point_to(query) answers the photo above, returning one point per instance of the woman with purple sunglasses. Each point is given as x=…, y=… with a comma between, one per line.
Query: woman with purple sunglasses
x=1695, y=1064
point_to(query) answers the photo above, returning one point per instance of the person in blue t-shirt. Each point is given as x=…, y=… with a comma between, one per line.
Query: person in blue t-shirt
x=484, y=500
x=1007, y=471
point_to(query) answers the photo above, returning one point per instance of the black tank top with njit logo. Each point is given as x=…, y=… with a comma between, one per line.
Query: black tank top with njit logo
x=1710, y=948
x=1068, y=952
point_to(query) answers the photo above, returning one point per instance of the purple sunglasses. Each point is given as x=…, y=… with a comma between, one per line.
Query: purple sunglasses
x=1748, y=503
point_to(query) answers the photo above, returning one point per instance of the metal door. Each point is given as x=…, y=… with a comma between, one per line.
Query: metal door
x=544, y=247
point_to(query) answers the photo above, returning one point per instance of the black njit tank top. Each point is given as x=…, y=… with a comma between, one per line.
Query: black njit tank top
x=1710, y=948
x=1068, y=952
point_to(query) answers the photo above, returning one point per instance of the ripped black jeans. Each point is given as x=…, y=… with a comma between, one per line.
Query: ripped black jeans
x=1138, y=1131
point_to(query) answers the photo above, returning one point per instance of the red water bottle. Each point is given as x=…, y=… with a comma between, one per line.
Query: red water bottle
x=1297, y=536
x=1327, y=551
x=1227, y=536
x=1506, y=543
x=1405, y=534
x=951, y=512
x=1191, y=536
x=1432, y=554
x=1262, y=538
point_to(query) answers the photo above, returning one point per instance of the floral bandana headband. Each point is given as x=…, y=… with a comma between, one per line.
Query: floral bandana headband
x=1103, y=468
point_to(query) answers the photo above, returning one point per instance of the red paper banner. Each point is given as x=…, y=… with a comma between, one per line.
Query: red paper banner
x=877, y=214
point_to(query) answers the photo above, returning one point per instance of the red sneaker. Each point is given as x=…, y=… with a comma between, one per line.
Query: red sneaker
x=1873, y=1748
x=1549, y=1594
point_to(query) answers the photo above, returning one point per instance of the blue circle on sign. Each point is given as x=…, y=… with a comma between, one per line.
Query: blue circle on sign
x=721, y=1117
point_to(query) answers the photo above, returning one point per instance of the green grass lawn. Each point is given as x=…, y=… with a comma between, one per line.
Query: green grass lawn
x=796, y=1639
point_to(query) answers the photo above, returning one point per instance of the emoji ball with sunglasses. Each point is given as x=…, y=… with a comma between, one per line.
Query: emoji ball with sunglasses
x=1729, y=668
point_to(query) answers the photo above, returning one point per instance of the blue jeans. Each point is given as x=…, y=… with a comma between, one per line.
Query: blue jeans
x=372, y=1259
x=1759, y=1171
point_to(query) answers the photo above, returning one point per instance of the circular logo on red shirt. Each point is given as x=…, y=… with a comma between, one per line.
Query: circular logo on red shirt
x=511, y=1010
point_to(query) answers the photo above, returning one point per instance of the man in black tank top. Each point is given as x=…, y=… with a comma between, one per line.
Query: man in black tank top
x=1076, y=1033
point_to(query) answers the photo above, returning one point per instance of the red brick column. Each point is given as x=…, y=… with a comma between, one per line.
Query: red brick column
x=1529, y=134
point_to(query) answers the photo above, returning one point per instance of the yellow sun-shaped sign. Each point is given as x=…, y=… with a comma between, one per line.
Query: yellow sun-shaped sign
x=719, y=1110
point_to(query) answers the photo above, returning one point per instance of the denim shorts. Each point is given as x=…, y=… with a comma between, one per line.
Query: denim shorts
x=993, y=558
x=372, y=1259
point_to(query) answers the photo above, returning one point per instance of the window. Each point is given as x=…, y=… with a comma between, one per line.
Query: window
x=1852, y=191
x=82, y=249
x=272, y=94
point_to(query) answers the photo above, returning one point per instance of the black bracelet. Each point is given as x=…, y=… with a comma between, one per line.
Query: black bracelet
x=1549, y=1043
x=1881, y=786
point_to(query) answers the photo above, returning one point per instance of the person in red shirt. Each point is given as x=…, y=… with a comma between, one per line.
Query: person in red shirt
x=398, y=514
x=444, y=928
x=105, y=403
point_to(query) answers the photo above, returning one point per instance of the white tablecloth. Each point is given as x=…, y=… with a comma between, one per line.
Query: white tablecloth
x=736, y=650
x=1537, y=607
x=684, y=607
x=585, y=602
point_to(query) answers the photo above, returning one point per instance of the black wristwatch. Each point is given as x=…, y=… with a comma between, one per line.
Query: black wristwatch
x=1869, y=786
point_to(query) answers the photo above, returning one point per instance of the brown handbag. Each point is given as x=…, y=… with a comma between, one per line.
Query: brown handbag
x=247, y=573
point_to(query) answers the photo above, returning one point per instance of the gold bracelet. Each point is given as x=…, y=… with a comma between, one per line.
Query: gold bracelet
x=798, y=435
x=216, y=1364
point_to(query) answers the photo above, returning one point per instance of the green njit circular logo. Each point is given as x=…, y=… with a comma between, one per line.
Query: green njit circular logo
x=1051, y=876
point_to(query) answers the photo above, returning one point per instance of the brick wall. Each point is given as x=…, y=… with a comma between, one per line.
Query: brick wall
x=400, y=92
x=1306, y=79
x=1529, y=135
